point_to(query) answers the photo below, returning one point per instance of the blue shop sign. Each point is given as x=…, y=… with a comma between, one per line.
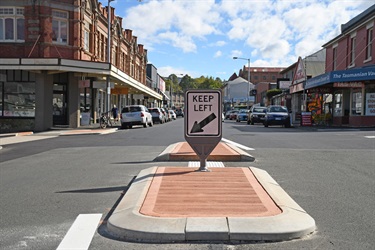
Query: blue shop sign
x=353, y=75
x=318, y=81
x=362, y=74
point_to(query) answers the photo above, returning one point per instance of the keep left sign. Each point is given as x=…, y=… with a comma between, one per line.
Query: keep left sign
x=203, y=113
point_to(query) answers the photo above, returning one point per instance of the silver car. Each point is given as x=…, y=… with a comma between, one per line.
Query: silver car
x=157, y=115
x=135, y=115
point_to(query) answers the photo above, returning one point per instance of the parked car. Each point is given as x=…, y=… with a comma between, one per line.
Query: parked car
x=242, y=115
x=233, y=115
x=157, y=115
x=135, y=115
x=227, y=114
x=256, y=115
x=166, y=115
x=172, y=114
x=179, y=112
x=277, y=115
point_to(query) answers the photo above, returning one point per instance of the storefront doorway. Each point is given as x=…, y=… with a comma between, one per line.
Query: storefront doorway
x=60, y=104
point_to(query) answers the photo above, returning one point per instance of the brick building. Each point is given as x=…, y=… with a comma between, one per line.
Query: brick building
x=261, y=74
x=264, y=78
x=347, y=88
x=54, y=64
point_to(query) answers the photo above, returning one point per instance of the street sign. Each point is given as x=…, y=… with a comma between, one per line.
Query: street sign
x=203, y=113
x=203, y=121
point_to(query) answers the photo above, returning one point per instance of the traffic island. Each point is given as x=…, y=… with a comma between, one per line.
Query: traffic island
x=179, y=204
x=225, y=152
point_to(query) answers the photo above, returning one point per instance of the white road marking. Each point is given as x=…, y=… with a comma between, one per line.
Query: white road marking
x=81, y=232
x=236, y=144
x=209, y=164
x=370, y=136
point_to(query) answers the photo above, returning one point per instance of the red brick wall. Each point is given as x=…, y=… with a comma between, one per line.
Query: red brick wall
x=343, y=51
x=38, y=37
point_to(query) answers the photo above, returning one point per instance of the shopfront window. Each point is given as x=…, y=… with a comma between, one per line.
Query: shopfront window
x=357, y=102
x=370, y=100
x=17, y=97
x=338, y=104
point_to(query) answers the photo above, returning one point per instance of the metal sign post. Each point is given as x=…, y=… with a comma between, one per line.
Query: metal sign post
x=203, y=121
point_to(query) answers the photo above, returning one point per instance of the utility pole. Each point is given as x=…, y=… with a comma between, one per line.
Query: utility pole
x=108, y=84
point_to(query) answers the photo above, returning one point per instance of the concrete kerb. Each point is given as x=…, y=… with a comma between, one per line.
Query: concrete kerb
x=128, y=224
x=21, y=137
x=165, y=155
x=88, y=131
x=244, y=156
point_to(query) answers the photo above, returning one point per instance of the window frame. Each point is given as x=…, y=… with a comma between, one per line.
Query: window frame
x=369, y=37
x=18, y=32
x=352, y=51
x=60, y=17
x=338, y=103
x=356, y=98
x=334, y=59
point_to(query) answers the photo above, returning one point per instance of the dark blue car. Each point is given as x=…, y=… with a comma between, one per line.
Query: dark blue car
x=277, y=115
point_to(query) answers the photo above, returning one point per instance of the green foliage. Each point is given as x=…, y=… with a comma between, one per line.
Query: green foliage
x=186, y=82
x=272, y=92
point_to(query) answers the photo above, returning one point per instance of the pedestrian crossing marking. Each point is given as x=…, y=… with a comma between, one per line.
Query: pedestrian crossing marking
x=209, y=164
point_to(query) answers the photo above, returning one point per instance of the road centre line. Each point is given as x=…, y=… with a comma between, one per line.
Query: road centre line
x=80, y=234
x=370, y=137
x=236, y=144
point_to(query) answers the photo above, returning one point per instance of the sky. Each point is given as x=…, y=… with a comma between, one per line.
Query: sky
x=201, y=37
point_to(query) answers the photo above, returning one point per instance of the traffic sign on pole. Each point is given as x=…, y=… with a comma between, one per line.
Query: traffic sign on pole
x=203, y=122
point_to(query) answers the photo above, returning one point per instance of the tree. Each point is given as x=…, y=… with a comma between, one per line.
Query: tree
x=187, y=83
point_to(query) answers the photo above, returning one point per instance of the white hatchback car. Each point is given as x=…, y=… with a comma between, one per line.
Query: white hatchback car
x=135, y=115
x=172, y=114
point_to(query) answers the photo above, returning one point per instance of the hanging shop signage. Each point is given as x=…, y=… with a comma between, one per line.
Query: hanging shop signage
x=84, y=83
x=348, y=85
x=322, y=90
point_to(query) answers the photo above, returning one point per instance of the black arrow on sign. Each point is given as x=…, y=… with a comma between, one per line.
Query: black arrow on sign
x=197, y=127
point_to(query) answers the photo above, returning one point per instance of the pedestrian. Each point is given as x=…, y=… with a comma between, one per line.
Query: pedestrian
x=115, y=113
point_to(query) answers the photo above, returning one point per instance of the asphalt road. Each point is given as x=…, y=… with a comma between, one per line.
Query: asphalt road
x=46, y=184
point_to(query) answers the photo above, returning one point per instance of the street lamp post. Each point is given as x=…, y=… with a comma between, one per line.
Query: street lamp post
x=248, y=79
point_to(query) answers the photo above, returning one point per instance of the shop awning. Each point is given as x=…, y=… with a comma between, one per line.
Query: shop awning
x=350, y=75
x=166, y=97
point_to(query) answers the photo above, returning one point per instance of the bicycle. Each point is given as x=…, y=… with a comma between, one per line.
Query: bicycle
x=105, y=120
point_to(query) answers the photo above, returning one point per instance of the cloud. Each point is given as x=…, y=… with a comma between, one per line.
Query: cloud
x=236, y=53
x=218, y=44
x=166, y=71
x=178, y=40
x=271, y=32
x=218, y=54
x=189, y=19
